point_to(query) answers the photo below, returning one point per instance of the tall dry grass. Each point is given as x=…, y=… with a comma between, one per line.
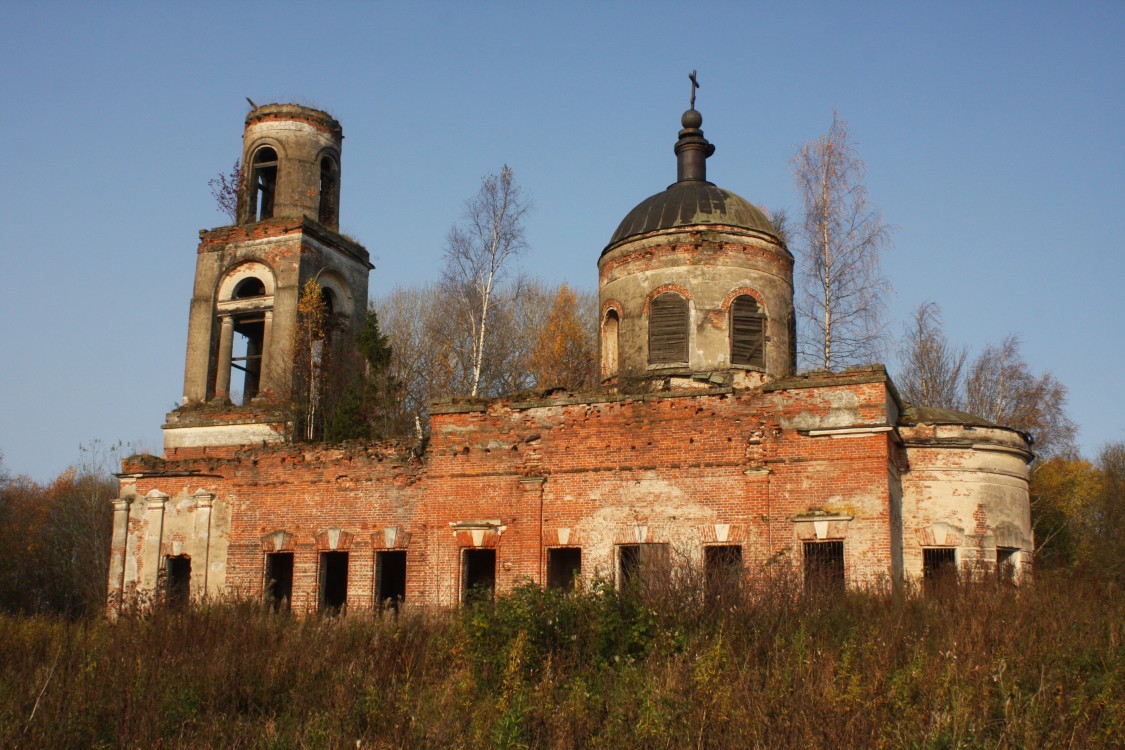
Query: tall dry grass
x=981, y=664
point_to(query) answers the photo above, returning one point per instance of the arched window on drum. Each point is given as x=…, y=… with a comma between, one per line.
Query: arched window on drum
x=747, y=332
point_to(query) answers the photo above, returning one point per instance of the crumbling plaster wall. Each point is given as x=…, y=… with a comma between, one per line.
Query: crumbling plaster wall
x=708, y=266
x=966, y=488
x=150, y=527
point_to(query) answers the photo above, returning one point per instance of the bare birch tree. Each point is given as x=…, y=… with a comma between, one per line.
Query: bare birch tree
x=1001, y=388
x=839, y=242
x=997, y=385
x=478, y=254
x=427, y=337
x=931, y=373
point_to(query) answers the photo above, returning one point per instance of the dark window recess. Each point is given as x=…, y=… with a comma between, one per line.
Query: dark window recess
x=263, y=184
x=246, y=348
x=1006, y=561
x=178, y=580
x=246, y=356
x=478, y=574
x=668, y=330
x=333, y=582
x=279, y=580
x=564, y=564
x=329, y=192
x=390, y=577
x=722, y=569
x=747, y=333
x=640, y=563
x=824, y=566
x=939, y=564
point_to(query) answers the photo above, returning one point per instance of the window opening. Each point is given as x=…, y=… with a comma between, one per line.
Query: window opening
x=247, y=288
x=329, y=298
x=246, y=357
x=329, y=192
x=939, y=565
x=668, y=329
x=610, y=343
x=639, y=564
x=747, y=332
x=722, y=569
x=1006, y=562
x=279, y=581
x=333, y=582
x=564, y=564
x=263, y=184
x=390, y=578
x=178, y=580
x=478, y=574
x=246, y=346
x=824, y=566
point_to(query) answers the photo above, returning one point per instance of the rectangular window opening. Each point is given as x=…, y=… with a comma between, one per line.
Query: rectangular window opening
x=939, y=565
x=390, y=578
x=564, y=564
x=333, y=582
x=722, y=570
x=824, y=566
x=478, y=574
x=640, y=564
x=279, y=581
x=178, y=580
x=1006, y=562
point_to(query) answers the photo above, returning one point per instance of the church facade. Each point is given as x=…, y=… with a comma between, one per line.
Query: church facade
x=705, y=451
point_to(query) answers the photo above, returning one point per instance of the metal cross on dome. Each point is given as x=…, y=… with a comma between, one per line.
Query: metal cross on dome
x=694, y=86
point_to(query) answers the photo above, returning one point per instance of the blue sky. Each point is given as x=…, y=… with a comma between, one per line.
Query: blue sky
x=992, y=134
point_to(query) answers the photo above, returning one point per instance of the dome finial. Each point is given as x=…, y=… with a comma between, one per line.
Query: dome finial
x=692, y=149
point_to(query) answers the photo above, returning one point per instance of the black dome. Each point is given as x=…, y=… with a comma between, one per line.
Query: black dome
x=688, y=203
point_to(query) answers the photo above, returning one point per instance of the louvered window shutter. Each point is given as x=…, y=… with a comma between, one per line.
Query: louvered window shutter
x=747, y=333
x=668, y=330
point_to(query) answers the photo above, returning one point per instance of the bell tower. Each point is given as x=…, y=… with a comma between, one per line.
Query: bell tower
x=249, y=277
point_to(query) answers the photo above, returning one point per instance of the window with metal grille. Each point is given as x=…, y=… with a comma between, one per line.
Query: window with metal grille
x=668, y=330
x=939, y=565
x=747, y=332
x=824, y=566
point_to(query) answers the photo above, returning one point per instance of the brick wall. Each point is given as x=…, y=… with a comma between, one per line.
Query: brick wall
x=686, y=469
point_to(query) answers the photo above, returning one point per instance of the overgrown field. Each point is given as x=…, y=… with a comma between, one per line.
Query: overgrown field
x=977, y=665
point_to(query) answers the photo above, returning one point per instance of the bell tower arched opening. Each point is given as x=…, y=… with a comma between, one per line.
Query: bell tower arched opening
x=245, y=313
x=263, y=184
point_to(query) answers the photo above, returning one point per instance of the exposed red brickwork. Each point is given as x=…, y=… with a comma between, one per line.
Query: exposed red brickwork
x=693, y=249
x=662, y=289
x=736, y=293
x=679, y=469
x=612, y=304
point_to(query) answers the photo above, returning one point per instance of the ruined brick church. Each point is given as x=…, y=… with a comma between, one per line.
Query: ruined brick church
x=725, y=460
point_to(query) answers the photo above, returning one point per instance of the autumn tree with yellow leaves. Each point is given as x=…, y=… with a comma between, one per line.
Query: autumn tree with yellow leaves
x=564, y=354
